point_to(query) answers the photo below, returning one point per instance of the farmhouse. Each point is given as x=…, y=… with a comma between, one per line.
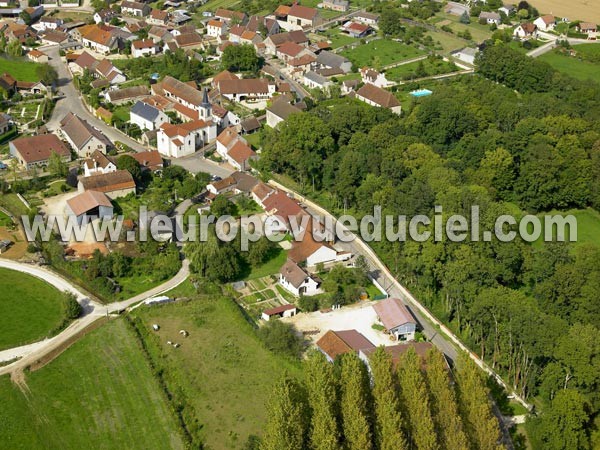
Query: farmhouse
x=545, y=23
x=146, y=116
x=374, y=77
x=396, y=319
x=275, y=40
x=98, y=163
x=91, y=204
x=215, y=28
x=84, y=138
x=37, y=56
x=356, y=29
x=490, y=17
x=329, y=60
x=336, y=343
x=114, y=184
x=247, y=88
x=158, y=17
x=299, y=17
x=226, y=15
x=99, y=39
x=125, y=95
x=336, y=5
x=588, y=28
x=367, y=18
x=35, y=151
x=143, y=47
x=295, y=280
x=150, y=160
x=280, y=110
x=525, y=31
x=315, y=81
x=376, y=96
x=280, y=311
x=136, y=9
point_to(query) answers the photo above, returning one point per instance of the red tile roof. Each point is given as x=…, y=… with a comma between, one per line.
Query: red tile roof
x=393, y=313
x=39, y=148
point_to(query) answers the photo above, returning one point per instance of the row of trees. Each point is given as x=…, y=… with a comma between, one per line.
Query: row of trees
x=412, y=405
x=476, y=142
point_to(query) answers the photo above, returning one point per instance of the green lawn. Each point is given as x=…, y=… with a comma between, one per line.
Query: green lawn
x=213, y=5
x=29, y=309
x=447, y=42
x=270, y=267
x=12, y=203
x=122, y=113
x=588, y=226
x=221, y=374
x=573, y=66
x=20, y=69
x=409, y=71
x=479, y=32
x=380, y=52
x=337, y=38
x=5, y=221
x=99, y=394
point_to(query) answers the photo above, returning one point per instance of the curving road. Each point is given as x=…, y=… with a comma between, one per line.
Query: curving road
x=92, y=312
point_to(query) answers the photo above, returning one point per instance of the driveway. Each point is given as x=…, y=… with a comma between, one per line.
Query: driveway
x=358, y=317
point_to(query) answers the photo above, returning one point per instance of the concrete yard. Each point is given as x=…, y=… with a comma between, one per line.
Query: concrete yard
x=360, y=317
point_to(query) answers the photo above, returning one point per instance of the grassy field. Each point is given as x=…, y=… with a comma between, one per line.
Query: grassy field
x=270, y=267
x=447, y=42
x=582, y=70
x=574, y=9
x=380, y=52
x=588, y=226
x=12, y=203
x=213, y=5
x=479, y=32
x=5, y=221
x=99, y=394
x=29, y=309
x=408, y=71
x=20, y=69
x=337, y=38
x=221, y=373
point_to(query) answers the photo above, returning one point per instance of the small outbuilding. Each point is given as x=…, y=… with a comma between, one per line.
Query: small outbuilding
x=280, y=311
x=91, y=204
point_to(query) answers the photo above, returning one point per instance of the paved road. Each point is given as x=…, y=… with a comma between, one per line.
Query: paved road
x=71, y=102
x=92, y=312
x=552, y=44
x=440, y=335
x=196, y=162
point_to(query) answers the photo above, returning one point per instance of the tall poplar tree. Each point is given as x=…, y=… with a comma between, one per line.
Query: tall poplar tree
x=322, y=399
x=388, y=421
x=415, y=398
x=443, y=402
x=480, y=424
x=287, y=422
x=354, y=383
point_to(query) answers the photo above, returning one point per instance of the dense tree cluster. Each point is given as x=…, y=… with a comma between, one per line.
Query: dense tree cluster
x=240, y=58
x=414, y=405
x=527, y=147
x=176, y=64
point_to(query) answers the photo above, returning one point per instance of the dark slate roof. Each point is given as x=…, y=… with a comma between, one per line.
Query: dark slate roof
x=145, y=111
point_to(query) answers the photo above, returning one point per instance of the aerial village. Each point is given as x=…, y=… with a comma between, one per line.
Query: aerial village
x=165, y=105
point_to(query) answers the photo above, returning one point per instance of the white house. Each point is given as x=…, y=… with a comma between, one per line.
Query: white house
x=215, y=28
x=98, y=163
x=136, y=9
x=300, y=17
x=315, y=81
x=545, y=23
x=143, y=47
x=47, y=23
x=376, y=96
x=147, y=117
x=295, y=280
x=180, y=140
x=374, y=77
x=526, y=30
x=84, y=138
x=235, y=149
x=490, y=17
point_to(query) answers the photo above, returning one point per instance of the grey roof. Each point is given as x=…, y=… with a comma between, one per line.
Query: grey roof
x=145, y=111
x=490, y=15
x=331, y=59
x=315, y=77
x=468, y=51
x=282, y=108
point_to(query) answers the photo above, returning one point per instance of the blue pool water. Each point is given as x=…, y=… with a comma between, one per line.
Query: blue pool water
x=421, y=93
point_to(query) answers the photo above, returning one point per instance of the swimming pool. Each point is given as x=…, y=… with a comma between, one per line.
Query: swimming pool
x=421, y=93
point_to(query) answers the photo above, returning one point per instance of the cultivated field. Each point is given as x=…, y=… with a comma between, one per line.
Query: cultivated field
x=586, y=10
x=221, y=373
x=100, y=393
x=29, y=309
